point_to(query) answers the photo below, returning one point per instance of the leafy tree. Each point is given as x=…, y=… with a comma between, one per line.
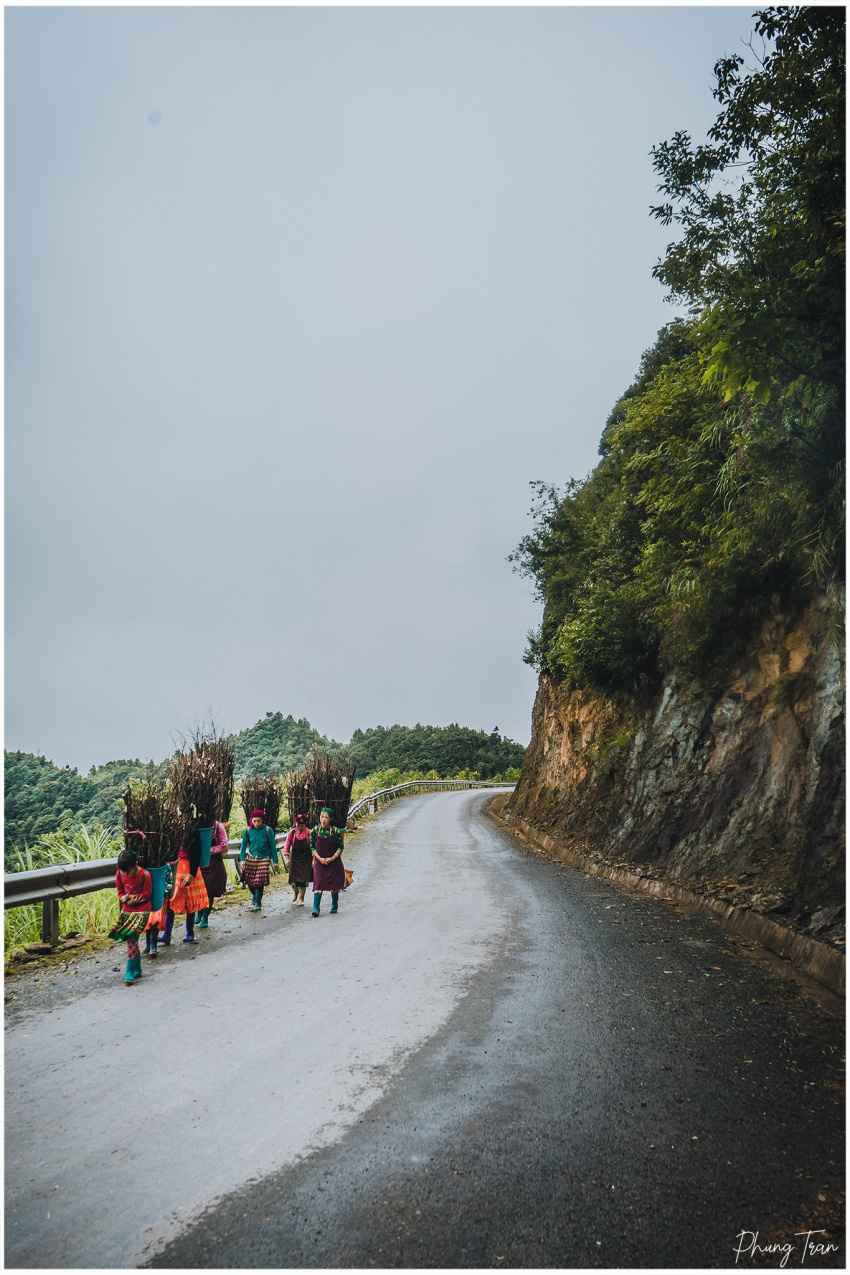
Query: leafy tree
x=761, y=260
x=762, y=256
x=700, y=511
x=39, y=796
x=43, y=799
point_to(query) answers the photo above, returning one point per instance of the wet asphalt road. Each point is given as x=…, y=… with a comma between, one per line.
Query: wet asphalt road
x=485, y=1060
x=227, y=1051
x=618, y=1087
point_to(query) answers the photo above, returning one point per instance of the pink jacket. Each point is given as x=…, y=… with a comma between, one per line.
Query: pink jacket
x=292, y=836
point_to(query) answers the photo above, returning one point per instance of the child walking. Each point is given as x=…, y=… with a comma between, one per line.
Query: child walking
x=133, y=884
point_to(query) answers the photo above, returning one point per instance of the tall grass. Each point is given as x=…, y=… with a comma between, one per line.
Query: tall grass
x=88, y=913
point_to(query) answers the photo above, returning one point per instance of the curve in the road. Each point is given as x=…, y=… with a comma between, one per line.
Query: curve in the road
x=484, y=1060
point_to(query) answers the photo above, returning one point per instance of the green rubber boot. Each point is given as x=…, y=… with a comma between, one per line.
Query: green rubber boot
x=317, y=902
x=129, y=974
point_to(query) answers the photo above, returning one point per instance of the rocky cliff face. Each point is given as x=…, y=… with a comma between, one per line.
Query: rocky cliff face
x=739, y=794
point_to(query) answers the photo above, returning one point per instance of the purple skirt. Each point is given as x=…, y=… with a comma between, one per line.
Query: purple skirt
x=328, y=876
x=215, y=877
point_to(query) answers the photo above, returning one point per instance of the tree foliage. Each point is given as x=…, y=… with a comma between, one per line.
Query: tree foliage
x=447, y=750
x=41, y=797
x=761, y=205
x=722, y=473
x=277, y=744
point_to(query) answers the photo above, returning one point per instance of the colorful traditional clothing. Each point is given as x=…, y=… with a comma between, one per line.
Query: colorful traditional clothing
x=256, y=854
x=299, y=849
x=190, y=893
x=129, y=926
x=134, y=892
x=327, y=842
x=215, y=875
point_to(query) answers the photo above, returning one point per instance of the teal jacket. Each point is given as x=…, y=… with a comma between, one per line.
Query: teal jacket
x=259, y=843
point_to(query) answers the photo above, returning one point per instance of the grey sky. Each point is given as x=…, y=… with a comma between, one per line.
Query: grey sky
x=298, y=303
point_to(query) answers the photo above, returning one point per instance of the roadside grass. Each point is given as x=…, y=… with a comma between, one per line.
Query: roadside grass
x=98, y=929
x=86, y=913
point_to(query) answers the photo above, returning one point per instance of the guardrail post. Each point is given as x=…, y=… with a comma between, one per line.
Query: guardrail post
x=50, y=922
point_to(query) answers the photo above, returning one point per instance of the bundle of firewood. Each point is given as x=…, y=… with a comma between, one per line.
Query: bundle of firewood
x=328, y=779
x=202, y=778
x=151, y=825
x=262, y=792
x=299, y=797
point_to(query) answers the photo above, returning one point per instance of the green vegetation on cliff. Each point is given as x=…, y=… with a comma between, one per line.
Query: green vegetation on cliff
x=722, y=473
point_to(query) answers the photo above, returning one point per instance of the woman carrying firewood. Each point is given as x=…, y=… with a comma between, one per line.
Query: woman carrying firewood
x=256, y=854
x=298, y=857
x=215, y=874
x=190, y=893
x=328, y=871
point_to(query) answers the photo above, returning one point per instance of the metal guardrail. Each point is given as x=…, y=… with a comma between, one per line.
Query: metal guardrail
x=49, y=885
x=383, y=795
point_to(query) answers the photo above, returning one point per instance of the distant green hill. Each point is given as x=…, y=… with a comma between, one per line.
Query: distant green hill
x=279, y=743
x=446, y=749
x=42, y=797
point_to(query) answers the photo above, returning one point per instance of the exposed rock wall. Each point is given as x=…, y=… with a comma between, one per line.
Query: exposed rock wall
x=740, y=794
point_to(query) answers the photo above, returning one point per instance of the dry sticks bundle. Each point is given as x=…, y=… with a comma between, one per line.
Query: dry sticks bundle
x=262, y=792
x=149, y=822
x=329, y=779
x=299, y=797
x=202, y=779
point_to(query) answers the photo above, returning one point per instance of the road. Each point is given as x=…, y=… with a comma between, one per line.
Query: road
x=485, y=1059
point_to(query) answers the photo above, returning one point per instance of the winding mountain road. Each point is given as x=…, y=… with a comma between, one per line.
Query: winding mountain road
x=485, y=1059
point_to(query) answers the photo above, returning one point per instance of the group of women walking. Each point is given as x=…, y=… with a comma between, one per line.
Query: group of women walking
x=311, y=855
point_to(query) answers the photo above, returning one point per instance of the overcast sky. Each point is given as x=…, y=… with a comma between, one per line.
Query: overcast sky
x=298, y=302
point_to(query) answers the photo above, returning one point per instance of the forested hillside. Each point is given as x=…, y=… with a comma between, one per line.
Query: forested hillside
x=445, y=749
x=42, y=797
x=277, y=743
